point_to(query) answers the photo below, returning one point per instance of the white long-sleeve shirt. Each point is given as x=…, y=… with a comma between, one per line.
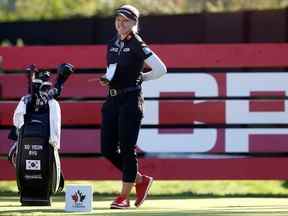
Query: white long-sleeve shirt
x=158, y=68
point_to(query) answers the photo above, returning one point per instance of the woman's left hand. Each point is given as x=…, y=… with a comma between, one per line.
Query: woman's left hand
x=104, y=81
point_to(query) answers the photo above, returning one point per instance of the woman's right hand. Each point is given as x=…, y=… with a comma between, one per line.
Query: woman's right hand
x=104, y=81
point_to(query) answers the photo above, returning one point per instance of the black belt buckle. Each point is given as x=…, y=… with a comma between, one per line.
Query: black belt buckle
x=113, y=92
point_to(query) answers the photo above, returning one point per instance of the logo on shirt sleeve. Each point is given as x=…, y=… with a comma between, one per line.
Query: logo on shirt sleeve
x=146, y=50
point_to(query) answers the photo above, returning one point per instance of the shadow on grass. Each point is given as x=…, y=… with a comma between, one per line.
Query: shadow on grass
x=135, y=212
x=191, y=195
x=236, y=209
x=285, y=184
x=185, y=195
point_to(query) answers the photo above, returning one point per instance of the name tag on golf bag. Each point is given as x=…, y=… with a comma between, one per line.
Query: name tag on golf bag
x=38, y=165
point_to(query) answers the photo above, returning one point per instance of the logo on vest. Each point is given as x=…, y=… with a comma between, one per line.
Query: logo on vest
x=127, y=49
x=113, y=49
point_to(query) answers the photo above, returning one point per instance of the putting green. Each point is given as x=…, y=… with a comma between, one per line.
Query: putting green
x=160, y=206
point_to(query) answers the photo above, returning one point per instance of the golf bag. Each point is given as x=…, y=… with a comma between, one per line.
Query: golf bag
x=38, y=168
x=37, y=126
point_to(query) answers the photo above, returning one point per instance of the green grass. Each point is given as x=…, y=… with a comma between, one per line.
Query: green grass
x=10, y=206
x=182, y=188
x=199, y=198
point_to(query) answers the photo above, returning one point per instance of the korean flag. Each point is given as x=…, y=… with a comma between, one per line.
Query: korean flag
x=33, y=165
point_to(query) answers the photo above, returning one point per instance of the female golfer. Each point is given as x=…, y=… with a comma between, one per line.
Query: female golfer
x=122, y=111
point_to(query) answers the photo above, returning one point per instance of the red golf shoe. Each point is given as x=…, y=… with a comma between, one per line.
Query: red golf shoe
x=142, y=189
x=120, y=203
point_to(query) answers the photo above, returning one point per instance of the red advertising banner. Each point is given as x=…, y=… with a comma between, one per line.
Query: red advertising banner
x=215, y=115
x=174, y=55
x=241, y=168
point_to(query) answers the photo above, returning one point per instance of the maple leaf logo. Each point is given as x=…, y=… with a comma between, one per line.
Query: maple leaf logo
x=75, y=197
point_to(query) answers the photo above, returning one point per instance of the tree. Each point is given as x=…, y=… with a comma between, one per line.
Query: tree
x=11, y=10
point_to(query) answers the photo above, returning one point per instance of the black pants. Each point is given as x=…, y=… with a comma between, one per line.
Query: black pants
x=121, y=121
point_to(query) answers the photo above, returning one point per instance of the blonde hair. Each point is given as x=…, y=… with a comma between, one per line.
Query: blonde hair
x=135, y=28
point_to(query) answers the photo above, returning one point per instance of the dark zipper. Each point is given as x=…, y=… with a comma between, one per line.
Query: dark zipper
x=120, y=47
